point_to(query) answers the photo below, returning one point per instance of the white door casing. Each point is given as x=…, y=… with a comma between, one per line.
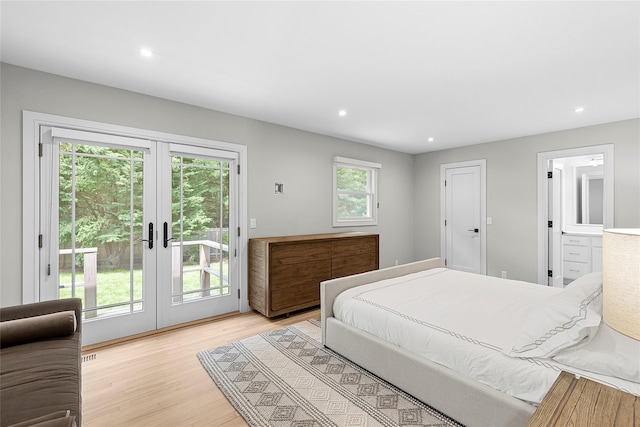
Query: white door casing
x=555, y=231
x=463, y=212
x=607, y=151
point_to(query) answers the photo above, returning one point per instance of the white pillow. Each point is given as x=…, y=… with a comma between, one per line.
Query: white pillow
x=608, y=353
x=562, y=320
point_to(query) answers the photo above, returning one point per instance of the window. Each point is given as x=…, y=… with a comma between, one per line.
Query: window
x=355, y=192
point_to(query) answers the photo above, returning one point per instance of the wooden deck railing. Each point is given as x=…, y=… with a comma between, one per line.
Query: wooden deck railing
x=90, y=278
x=91, y=271
x=204, y=265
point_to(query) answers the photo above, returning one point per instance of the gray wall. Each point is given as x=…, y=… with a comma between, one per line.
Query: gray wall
x=409, y=218
x=512, y=239
x=301, y=160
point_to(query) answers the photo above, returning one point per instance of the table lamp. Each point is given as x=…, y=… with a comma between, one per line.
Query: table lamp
x=621, y=280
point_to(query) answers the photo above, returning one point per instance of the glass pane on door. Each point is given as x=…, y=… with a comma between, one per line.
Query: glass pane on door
x=101, y=228
x=199, y=228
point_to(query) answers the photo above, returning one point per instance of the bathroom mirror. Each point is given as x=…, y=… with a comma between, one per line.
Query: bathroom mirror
x=589, y=191
x=582, y=192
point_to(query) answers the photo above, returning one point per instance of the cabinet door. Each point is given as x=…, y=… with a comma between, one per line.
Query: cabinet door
x=596, y=259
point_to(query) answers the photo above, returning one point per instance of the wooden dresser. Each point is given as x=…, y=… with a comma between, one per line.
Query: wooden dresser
x=285, y=272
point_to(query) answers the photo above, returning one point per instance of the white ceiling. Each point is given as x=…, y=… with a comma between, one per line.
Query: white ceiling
x=460, y=72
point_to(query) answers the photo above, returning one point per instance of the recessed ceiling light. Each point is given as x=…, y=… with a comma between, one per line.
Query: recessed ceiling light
x=146, y=52
x=578, y=109
x=431, y=139
x=342, y=113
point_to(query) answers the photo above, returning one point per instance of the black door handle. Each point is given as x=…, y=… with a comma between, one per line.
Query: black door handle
x=475, y=230
x=150, y=239
x=166, y=231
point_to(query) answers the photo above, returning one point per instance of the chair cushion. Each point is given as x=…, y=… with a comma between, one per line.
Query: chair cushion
x=39, y=378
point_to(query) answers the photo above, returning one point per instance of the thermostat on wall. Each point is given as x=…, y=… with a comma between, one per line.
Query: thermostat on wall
x=279, y=188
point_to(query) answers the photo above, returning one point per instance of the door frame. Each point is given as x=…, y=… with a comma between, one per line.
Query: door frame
x=482, y=163
x=555, y=213
x=31, y=122
x=543, y=196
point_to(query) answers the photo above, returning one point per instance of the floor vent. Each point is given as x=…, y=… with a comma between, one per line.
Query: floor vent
x=89, y=357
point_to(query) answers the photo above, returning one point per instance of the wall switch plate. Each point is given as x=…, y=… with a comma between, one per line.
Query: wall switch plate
x=253, y=223
x=504, y=274
x=489, y=220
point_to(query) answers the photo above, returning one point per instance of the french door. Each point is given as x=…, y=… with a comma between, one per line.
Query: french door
x=197, y=251
x=141, y=230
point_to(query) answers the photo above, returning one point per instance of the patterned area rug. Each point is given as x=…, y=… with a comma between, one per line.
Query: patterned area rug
x=287, y=378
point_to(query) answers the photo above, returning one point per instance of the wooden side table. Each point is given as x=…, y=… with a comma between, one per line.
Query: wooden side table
x=581, y=402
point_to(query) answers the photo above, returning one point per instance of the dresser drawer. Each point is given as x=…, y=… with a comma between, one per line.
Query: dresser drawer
x=575, y=240
x=573, y=270
x=303, y=294
x=290, y=276
x=346, y=266
x=294, y=253
x=351, y=247
x=576, y=253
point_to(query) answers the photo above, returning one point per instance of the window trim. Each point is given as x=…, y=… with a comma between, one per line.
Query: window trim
x=373, y=168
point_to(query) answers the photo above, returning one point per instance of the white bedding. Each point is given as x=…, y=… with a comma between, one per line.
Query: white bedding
x=464, y=322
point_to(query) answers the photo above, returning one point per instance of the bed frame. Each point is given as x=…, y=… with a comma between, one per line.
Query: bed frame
x=459, y=397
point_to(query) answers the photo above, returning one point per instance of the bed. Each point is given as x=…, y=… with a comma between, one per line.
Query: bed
x=490, y=371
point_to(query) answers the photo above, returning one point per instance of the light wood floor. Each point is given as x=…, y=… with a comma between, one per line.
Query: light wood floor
x=158, y=381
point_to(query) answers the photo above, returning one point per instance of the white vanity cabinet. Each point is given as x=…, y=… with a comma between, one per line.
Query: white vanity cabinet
x=581, y=254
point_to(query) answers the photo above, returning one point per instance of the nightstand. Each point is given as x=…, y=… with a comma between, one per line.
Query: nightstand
x=581, y=402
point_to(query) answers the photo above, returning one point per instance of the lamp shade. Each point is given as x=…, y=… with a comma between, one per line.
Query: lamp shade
x=621, y=280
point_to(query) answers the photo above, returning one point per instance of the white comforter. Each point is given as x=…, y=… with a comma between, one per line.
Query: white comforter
x=462, y=321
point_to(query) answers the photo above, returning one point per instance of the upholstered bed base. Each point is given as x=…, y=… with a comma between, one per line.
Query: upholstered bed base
x=467, y=401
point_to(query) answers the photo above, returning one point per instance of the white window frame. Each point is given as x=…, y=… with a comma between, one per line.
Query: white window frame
x=31, y=123
x=373, y=169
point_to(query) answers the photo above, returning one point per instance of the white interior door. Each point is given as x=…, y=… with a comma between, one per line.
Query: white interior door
x=464, y=217
x=104, y=202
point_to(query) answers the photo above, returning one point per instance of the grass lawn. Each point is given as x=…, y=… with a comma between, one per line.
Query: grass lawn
x=113, y=286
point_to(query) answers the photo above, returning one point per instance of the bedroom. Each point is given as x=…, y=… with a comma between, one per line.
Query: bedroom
x=409, y=228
